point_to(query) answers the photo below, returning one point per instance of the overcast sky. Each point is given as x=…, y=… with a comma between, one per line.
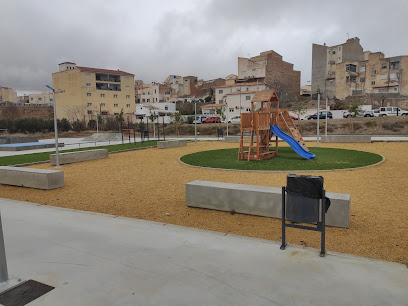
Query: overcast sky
x=153, y=39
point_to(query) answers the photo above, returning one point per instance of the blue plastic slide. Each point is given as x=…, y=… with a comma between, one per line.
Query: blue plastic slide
x=292, y=142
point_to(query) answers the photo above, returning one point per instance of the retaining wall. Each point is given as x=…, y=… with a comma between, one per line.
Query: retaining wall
x=346, y=138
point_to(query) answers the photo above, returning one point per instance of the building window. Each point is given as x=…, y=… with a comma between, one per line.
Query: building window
x=373, y=83
x=166, y=108
x=88, y=75
x=115, y=96
x=88, y=94
x=351, y=68
x=104, y=113
x=116, y=114
x=351, y=79
x=394, y=65
x=127, y=87
x=339, y=58
x=231, y=110
x=88, y=84
x=384, y=67
x=373, y=72
x=89, y=104
x=339, y=48
x=395, y=89
x=148, y=100
x=127, y=96
x=362, y=69
x=383, y=90
x=143, y=100
x=383, y=77
x=115, y=105
x=155, y=91
x=220, y=101
x=334, y=51
x=394, y=75
x=333, y=73
x=89, y=112
x=102, y=95
x=102, y=104
x=220, y=91
x=248, y=98
x=239, y=89
x=362, y=80
x=127, y=105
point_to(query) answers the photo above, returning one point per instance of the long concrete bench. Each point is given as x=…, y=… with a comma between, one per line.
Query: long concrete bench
x=79, y=156
x=171, y=143
x=33, y=178
x=258, y=200
x=346, y=138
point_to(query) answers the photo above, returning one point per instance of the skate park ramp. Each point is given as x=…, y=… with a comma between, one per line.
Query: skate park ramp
x=104, y=137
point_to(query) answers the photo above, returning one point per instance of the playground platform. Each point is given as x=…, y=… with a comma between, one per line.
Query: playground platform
x=96, y=259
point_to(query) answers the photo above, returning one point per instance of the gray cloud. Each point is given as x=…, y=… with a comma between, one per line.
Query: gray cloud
x=202, y=38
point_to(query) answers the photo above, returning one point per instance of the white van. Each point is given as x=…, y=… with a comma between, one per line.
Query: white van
x=391, y=111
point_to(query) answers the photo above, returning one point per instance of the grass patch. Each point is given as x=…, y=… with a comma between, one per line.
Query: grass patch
x=44, y=156
x=326, y=159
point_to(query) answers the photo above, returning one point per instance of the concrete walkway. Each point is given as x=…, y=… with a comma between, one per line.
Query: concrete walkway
x=95, y=259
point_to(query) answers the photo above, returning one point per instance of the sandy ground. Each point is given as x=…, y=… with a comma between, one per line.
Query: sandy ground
x=148, y=184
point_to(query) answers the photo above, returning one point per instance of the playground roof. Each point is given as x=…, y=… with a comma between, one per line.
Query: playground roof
x=265, y=96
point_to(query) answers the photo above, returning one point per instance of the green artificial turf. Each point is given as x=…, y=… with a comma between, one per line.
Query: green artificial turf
x=326, y=159
x=44, y=156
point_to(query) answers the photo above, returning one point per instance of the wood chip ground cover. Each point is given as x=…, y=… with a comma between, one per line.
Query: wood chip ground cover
x=150, y=184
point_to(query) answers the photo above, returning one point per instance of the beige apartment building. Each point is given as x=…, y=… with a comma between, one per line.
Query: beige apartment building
x=376, y=75
x=325, y=60
x=7, y=95
x=83, y=91
x=274, y=71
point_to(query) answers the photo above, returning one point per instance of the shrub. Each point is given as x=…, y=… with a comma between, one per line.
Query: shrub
x=190, y=119
x=64, y=125
x=370, y=123
x=78, y=126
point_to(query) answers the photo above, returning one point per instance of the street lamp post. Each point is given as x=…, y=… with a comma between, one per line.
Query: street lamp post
x=318, y=116
x=55, y=129
x=195, y=121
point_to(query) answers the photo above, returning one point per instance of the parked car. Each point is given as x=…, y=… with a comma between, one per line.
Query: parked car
x=212, y=120
x=391, y=111
x=235, y=119
x=368, y=113
x=322, y=115
x=199, y=119
x=294, y=118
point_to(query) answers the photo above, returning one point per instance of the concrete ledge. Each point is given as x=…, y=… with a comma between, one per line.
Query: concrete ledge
x=79, y=156
x=258, y=200
x=346, y=138
x=171, y=143
x=33, y=178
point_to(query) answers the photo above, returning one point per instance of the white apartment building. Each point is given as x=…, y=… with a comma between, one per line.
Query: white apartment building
x=165, y=110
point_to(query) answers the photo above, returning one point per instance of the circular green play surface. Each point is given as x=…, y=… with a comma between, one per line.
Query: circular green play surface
x=326, y=159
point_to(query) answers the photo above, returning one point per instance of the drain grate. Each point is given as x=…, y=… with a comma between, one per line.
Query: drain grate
x=24, y=293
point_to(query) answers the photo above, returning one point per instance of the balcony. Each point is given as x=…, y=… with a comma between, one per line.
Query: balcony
x=107, y=78
x=108, y=86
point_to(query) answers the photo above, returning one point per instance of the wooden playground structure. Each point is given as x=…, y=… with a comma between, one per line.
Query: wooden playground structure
x=256, y=127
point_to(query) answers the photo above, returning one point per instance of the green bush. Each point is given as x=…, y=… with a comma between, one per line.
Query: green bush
x=64, y=125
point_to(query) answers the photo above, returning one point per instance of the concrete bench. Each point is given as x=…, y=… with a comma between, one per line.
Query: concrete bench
x=33, y=178
x=171, y=143
x=258, y=200
x=79, y=156
x=346, y=138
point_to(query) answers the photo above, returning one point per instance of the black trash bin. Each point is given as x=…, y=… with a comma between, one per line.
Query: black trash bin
x=304, y=201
